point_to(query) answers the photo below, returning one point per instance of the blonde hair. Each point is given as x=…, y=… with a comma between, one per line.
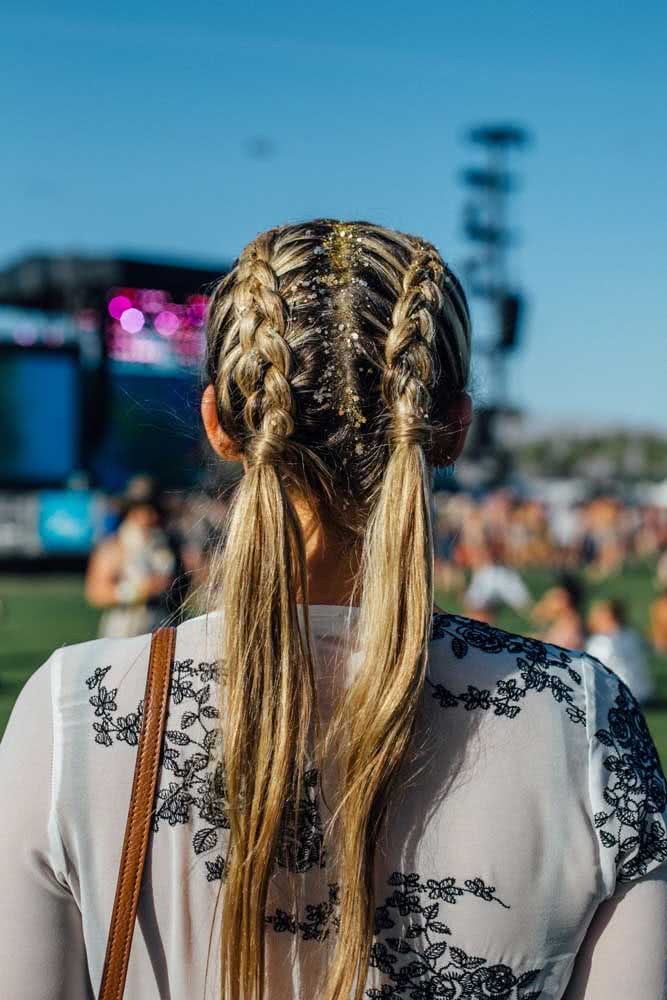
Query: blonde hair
x=335, y=350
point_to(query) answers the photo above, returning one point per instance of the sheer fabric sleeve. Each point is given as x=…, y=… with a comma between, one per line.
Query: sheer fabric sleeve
x=624, y=953
x=627, y=784
x=42, y=954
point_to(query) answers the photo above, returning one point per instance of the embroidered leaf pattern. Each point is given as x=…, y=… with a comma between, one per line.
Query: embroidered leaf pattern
x=188, y=719
x=215, y=870
x=204, y=840
x=193, y=787
x=535, y=663
x=636, y=789
x=423, y=965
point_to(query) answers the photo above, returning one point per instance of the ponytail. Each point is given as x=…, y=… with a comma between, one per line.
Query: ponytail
x=376, y=719
x=269, y=703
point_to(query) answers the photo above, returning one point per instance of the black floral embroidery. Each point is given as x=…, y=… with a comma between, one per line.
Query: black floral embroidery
x=535, y=665
x=415, y=957
x=215, y=870
x=302, y=841
x=97, y=678
x=319, y=918
x=636, y=792
x=124, y=727
x=406, y=898
x=195, y=788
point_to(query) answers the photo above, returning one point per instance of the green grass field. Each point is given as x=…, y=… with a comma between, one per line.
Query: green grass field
x=39, y=613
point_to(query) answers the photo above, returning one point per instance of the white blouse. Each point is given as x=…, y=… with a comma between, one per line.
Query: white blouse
x=524, y=857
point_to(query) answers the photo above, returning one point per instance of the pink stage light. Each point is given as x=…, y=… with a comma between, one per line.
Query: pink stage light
x=25, y=336
x=166, y=323
x=132, y=320
x=118, y=305
x=197, y=313
x=151, y=300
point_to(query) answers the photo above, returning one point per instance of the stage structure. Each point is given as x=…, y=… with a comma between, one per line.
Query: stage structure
x=100, y=373
x=486, y=224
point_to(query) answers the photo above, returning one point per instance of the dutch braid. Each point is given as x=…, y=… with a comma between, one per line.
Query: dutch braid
x=409, y=351
x=263, y=368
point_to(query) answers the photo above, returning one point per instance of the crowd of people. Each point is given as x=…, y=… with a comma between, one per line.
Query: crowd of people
x=483, y=545
x=154, y=563
x=601, y=535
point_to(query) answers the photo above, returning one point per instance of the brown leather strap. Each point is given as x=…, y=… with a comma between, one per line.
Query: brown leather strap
x=139, y=815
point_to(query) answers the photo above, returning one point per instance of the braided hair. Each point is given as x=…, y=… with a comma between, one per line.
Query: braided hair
x=335, y=350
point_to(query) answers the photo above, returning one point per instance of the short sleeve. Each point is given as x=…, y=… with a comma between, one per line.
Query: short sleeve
x=627, y=783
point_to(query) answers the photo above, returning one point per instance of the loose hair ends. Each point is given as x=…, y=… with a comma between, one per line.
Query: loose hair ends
x=269, y=710
x=373, y=727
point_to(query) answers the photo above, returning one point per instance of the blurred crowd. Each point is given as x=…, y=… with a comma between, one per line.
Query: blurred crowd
x=484, y=545
x=153, y=564
x=601, y=535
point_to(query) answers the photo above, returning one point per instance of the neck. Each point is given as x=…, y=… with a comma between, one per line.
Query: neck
x=332, y=562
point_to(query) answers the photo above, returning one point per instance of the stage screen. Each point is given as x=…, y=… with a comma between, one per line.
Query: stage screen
x=155, y=348
x=39, y=415
x=153, y=426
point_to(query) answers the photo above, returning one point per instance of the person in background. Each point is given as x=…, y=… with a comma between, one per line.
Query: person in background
x=605, y=524
x=560, y=610
x=619, y=646
x=658, y=618
x=135, y=575
x=493, y=585
x=661, y=569
x=449, y=577
x=566, y=529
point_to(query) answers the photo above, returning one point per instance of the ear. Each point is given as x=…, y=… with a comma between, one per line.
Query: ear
x=448, y=445
x=219, y=440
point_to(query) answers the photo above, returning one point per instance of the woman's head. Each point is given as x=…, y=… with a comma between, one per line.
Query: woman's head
x=338, y=356
x=606, y=615
x=330, y=342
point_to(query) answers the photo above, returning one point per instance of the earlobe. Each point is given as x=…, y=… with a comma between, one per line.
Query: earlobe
x=219, y=440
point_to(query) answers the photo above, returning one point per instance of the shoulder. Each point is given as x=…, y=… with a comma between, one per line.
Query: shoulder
x=83, y=660
x=109, y=549
x=502, y=671
x=98, y=686
x=123, y=658
x=592, y=723
x=52, y=690
x=627, y=781
x=30, y=722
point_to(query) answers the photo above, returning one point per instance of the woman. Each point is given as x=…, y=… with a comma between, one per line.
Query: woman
x=658, y=622
x=560, y=609
x=620, y=646
x=390, y=801
x=135, y=575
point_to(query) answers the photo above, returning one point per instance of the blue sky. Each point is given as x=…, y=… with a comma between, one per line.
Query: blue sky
x=127, y=128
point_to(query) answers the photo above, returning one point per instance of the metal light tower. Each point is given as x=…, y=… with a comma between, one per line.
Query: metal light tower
x=485, y=224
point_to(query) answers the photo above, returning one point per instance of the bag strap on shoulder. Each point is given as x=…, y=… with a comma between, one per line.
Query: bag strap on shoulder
x=137, y=830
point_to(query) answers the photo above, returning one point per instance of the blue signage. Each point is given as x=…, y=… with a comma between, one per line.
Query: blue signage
x=69, y=521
